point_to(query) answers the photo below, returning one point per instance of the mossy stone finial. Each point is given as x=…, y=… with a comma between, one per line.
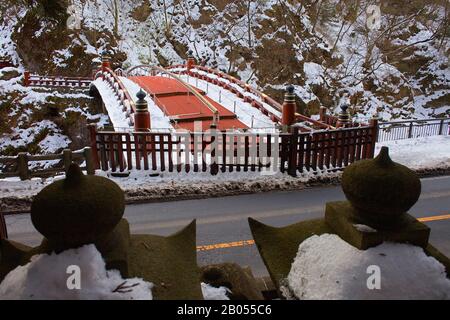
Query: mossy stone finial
x=381, y=190
x=383, y=159
x=78, y=210
x=74, y=174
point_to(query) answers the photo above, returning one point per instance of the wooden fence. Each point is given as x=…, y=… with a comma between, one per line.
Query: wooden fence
x=222, y=151
x=3, y=228
x=398, y=130
x=21, y=162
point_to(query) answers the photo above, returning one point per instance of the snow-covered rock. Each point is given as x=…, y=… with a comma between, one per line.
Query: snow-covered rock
x=48, y=277
x=326, y=267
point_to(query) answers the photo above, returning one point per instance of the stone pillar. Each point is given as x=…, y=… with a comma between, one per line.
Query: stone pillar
x=323, y=114
x=106, y=61
x=26, y=78
x=191, y=61
x=289, y=106
x=93, y=136
x=344, y=120
x=141, y=116
x=373, y=123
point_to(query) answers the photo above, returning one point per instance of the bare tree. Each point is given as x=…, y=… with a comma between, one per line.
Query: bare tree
x=114, y=9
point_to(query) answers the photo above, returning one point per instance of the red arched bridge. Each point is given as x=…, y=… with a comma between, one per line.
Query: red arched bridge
x=193, y=118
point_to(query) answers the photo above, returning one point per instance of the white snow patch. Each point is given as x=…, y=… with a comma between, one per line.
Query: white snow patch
x=45, y=278
x=116, y=114
x=213, y=293
x=364, y=228
x=326, y=267
x=420, y=153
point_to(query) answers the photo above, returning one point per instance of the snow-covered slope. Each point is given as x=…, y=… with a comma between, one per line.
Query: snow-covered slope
x=398, y=68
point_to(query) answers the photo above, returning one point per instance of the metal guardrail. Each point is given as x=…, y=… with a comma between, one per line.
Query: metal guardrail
x=408, y=129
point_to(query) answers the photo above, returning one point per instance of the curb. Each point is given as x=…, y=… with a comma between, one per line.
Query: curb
x=140, y=196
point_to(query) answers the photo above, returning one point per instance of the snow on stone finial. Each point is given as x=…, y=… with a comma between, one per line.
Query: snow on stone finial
x=141, y=95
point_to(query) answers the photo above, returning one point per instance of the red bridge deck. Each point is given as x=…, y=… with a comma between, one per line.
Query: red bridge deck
x=179, y=104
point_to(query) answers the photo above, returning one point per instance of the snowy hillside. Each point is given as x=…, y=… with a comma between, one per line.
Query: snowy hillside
x=331, y=50
x=399, y=68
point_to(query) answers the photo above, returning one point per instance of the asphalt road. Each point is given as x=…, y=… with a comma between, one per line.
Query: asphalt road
x=223, y=221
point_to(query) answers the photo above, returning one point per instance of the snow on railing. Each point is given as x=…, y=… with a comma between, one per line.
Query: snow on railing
x=121, y=93
x=33, y=80
x=235, y=86
x=246, y=92
x=21, y=163
x=154, y=70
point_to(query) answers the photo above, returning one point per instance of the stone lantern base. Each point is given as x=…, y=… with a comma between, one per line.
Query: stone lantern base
x=278, y=247
x=341, y=217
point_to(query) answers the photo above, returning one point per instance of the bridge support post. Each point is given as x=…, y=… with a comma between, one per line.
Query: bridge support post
x=106, y=61
x=374, y=130
x=26, y=78
x=141, y=116
x=190, y=61
x=323, y=114
x=289, y=106
x=93, y=135
x=344, y=120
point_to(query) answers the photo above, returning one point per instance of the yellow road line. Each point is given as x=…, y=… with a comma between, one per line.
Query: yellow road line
x=434, y=218
x=245, y=243
x=242, y=243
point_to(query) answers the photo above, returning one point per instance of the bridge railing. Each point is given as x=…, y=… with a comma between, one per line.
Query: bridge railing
x=5, y=62
x=407, y=129
x=20, y=164
x=154, y=70
x=237, y=87
x=120, y=91
x=33, y=80
x=216, y=151
x=248, y=93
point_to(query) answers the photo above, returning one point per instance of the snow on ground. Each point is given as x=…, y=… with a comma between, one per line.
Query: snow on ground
x=157, y=117
x=116, y=114
x=22, y=137
x=326, y=267
x=420, y=153
x=212, y=293
x=47, y=277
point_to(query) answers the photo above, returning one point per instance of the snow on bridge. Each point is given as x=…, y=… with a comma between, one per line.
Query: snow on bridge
x=178, y=99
